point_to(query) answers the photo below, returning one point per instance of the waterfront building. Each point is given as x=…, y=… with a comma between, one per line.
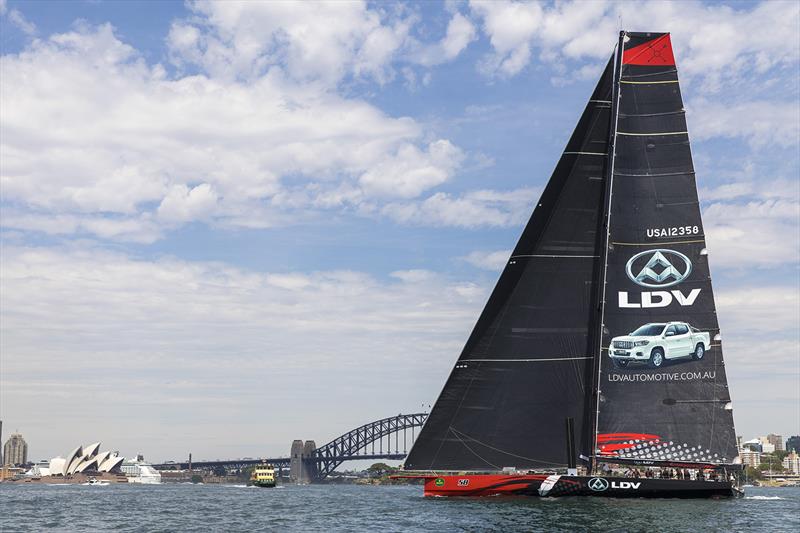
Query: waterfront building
x=752, y=444
x=793, y=444
x=15, y=452
x=750, y=457
x=86, y=459
x=776, y=440
x=792, y=463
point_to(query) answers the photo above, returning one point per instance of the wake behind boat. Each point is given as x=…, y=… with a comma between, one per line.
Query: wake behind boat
x=600, y=342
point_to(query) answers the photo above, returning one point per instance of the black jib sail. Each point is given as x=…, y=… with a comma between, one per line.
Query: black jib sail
x=663, y=391
x=529, y=364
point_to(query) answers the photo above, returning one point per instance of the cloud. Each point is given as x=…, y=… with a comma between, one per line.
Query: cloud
x=762, y=122
x=469, y=210
x=752, y=222
x=133, y=144
x=510, y=27
x=494, y=261
x=18, y=19
x=148, y=338
x=313, y=42
x=715, y=43
x=460, y=33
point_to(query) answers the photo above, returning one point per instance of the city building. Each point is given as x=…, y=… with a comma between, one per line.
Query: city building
x=792, y=463
x=750, y=457
x=793, y=444
x=15, y=452
x=776, y=441
x=752, y=444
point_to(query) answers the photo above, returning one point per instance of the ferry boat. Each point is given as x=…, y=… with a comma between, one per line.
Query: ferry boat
x=583, y=358
x=263, y=475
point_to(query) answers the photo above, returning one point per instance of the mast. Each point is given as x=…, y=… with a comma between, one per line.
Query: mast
x=605, y=236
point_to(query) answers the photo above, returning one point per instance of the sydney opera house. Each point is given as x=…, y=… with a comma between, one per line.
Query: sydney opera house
x=84, y=459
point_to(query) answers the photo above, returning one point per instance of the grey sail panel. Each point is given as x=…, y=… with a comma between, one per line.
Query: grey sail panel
x=663, y=388
x=528, y=363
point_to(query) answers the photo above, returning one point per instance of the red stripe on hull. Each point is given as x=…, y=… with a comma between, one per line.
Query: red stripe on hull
x=481, y=484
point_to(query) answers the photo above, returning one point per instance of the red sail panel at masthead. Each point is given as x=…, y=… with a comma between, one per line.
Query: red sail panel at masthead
x=655, y=52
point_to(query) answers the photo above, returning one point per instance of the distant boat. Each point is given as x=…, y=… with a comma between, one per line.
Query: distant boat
x=263, y=476
x=95, y=482
x=611, y=269
x=141, y=472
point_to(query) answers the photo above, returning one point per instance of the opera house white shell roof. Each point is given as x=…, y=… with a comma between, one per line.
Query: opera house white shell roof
x=85, y=459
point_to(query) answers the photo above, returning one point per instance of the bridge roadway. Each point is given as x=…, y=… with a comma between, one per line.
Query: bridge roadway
x=309, y=463
x=279, y=462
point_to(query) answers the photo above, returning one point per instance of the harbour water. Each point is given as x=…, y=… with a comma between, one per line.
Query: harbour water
x=186, y=507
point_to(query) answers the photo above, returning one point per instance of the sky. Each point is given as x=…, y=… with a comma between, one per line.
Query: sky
x=225, y=226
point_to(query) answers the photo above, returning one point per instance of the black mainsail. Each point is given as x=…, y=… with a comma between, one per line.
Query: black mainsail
x=614, y=243
x=666, y=398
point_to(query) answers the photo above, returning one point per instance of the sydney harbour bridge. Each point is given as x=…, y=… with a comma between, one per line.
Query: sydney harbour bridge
x=381, y=439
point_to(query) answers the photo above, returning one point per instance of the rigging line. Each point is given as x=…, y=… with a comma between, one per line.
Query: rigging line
x=524, y=360
x=653, y=134
x=457, y=433
x=657, y=243
x=476, y=454
x=648, y=82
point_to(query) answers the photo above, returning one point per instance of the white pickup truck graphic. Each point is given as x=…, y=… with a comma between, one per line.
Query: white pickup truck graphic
x=656, y=342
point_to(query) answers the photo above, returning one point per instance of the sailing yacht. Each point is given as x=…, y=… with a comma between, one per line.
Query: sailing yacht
x=611, y=269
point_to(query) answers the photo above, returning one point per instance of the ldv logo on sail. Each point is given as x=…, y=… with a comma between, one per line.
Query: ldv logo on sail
x=658, y=268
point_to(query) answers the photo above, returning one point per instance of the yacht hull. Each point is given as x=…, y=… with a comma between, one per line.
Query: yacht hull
x=543, y=485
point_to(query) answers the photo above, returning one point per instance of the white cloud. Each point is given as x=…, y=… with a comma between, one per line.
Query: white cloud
x=460, y=32
x=495, y=260
x=760, y=233
x=199, y=148
x=313, y=41
x=716, y=43
x=469, y=210
x=149, y=337
x=182, y=204
x=761, y=122
x=18, y=19
x=747, y=312
x=412, y=171
x=510, y=27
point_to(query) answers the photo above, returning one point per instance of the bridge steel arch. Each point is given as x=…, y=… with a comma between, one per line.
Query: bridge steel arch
x=347, y=447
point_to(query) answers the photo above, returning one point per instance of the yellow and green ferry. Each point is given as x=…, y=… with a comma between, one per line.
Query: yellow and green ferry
x=263, y=475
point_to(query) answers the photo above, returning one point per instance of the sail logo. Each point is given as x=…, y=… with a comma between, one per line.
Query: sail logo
x=658, y=271
x=659, y=268
x=598, y=484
